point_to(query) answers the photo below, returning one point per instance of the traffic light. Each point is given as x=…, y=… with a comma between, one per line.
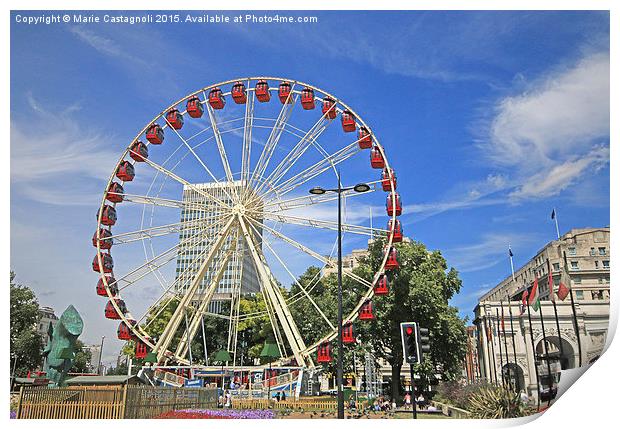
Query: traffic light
x=424, y=342
x=416, y=342
x=409, y=334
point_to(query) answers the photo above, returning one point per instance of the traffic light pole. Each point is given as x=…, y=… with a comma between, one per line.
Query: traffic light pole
x=413, y=397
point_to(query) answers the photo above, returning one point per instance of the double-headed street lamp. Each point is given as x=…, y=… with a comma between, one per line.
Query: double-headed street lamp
x=360, y=187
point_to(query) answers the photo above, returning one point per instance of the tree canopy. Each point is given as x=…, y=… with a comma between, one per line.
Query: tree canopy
x=25, y=341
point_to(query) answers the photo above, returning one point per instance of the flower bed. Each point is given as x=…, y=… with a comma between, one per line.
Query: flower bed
x=218, y=414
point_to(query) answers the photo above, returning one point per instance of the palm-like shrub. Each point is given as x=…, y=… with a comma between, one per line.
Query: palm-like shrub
x=496, y=402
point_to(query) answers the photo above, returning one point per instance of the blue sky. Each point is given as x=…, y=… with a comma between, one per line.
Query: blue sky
x=490, y=120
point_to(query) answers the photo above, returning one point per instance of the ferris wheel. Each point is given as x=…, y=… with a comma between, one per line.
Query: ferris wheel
x=210, y=202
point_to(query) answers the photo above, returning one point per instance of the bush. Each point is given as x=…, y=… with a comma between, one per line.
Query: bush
x=496, y=402
x=457, y=394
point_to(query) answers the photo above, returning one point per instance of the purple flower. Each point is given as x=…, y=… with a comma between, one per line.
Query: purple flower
x=233, y=414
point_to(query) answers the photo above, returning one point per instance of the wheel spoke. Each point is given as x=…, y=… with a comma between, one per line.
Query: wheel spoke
x=309, y=200
x=220, y=144
x=151, y=263
x=247, y=142
x=185, y=183
x=327, y=163
x=324, y=224
x=303, y=289
x=275, y=296
x=193, y=152
x=317, y=256
x=272, y=140
x=171, y=328
x=300, y=148
x=182, y=347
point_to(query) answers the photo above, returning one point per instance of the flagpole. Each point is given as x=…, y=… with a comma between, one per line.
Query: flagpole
x=512, y=266
x=499, y=344
x=529, y=318
x=514, y=347
x=555, y=311
x=572, y=304
x=542, y=324
x=505, y=345
x=554, y=216
x=488, y=323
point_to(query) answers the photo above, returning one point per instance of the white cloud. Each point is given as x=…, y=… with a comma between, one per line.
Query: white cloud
x=559, y=115
x=488, y=252
x=541, y=141
x=52, y=157
x=561, y=176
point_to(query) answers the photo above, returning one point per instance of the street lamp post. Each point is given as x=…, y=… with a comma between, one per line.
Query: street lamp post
x=361, y=187
x=100, y=356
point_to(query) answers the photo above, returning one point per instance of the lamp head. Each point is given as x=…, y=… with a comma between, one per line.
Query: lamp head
x=361, y=187
x=317, y=190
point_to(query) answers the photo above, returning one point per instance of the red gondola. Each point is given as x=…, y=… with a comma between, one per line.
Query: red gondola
x=392, y=260
x=110, y=311
x=109, y=215
x=115, y=193
x=262, y=91
x=108, y=263
x=140, y=350
x=363, y=139
x=324, y=353
x=111, y=285
x=239, y=94
x=395, y=209
x=126, y=172
x=329, y=108
x=381, y=287
x=155, y=134
x=348, y=121
x=284, y=93
x=195, y=109
x=124, y=331
x=376, y=158
x=348, y=333
x=104, y=241
x=175, y=119
x=366, y=311
x=307, y=98
x=138, y=151
x=386, y=179
x=395, y=231
x=216, y=98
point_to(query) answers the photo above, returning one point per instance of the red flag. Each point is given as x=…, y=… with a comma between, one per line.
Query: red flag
x=503, y=327
x=534, y=299
x=562, y=291
x=524, y=301
x=489, y=333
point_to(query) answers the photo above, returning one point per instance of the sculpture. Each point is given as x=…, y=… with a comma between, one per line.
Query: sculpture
x=60, y=350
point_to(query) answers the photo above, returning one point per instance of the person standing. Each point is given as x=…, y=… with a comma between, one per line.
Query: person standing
x=407, y=401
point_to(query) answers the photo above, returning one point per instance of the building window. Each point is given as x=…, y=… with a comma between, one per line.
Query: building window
x=596, y=264
x=574, y=265
x=577, y=280
x=592, y=251
x=602, y=251
x=605, y=264
x=556, y=266
x=572, y=251
x=579, y=294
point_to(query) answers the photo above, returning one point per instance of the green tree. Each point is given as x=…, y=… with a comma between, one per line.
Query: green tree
x=25, y=341
x=82, y=358
x=419, y=292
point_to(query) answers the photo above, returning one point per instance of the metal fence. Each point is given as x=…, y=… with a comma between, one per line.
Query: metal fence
x=95, y=402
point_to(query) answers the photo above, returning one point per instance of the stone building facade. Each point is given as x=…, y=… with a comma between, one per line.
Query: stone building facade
x=511, y=345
